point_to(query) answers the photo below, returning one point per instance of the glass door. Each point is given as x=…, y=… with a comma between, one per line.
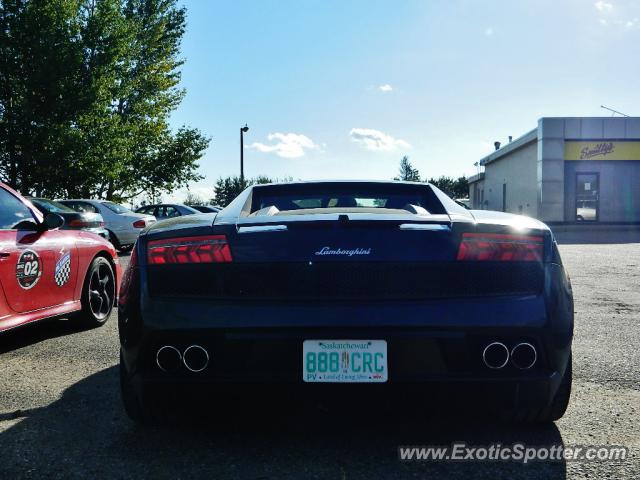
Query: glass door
x=587, y=196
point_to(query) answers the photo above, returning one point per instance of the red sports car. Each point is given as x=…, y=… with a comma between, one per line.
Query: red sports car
x=46, y=272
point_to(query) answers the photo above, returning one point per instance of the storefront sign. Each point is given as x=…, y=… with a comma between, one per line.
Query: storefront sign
x=602, y=150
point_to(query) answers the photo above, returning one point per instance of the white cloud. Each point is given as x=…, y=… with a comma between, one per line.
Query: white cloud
x=603, y=6
x=287, y=145
x=631, y=23
x=376, y=140
x=489, y=31
x=385, y=88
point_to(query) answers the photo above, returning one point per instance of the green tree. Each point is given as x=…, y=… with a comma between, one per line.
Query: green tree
x=86, y=91
x=407, y=172
x=455, y=188
x=226, y=189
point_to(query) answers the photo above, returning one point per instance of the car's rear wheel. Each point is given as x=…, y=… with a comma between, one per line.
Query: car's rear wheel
x=129, y=398
x=552, y=412
x=140, y=408
x=98, y=293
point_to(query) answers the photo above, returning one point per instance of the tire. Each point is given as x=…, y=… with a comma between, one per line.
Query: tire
x=560, y=401
x=141, y=408
x=129, y=398
x=117, y=245
x=552, y=412
x=98, y=293
x=114, y=240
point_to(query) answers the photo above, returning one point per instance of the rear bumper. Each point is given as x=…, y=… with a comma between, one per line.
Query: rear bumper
x=509, y=393
x=127, y=236
x=420, y=361
x=435, y=344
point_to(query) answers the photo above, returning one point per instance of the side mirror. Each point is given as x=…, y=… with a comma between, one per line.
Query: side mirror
x=52, y=221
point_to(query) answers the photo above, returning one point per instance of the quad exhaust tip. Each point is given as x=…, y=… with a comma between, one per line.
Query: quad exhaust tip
x=168, y=358
x=495, y=355
x=524, y=356
x=195, y=358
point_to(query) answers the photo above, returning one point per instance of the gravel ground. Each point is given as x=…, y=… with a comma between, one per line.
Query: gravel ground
x=61, y=416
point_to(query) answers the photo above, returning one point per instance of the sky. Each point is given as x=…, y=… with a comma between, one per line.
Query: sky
x=342, y=89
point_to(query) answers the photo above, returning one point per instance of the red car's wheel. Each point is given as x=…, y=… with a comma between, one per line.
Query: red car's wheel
x=98, y=293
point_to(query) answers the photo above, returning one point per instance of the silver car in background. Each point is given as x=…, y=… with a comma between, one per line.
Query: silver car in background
x=123, y=225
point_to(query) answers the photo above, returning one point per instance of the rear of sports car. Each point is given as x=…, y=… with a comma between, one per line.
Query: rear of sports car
x=311, y=287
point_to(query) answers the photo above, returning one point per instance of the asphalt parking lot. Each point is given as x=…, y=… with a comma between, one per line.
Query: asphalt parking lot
x=61, y=416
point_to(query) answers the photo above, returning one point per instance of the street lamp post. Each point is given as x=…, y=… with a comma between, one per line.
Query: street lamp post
x=243, y=130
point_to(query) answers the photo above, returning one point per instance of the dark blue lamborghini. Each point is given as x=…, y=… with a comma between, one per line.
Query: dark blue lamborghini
x=372, y=283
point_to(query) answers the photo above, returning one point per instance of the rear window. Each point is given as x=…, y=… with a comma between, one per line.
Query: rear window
x=352, y=196
x=82, y=207
x=115, y=208
x=51, y=206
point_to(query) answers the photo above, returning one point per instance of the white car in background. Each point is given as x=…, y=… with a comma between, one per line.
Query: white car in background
x=123, y=225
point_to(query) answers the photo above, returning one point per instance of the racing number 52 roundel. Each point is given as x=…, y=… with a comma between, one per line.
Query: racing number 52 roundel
x=29, y=269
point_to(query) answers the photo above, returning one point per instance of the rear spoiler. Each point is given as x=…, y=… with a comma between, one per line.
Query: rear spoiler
x=408, y=221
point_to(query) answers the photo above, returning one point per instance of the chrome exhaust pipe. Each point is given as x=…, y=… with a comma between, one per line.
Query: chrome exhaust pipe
x=495, y=355
x=168, y=358
x=524, y=356
x=195, y=358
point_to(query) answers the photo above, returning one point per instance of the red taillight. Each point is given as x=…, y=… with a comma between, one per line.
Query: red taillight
x=101, y=224
x=498, y=247
x=78, y=223
x=203, y=249
x=139, y=224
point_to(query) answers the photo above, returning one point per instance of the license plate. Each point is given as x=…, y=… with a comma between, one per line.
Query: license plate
x=344, y=361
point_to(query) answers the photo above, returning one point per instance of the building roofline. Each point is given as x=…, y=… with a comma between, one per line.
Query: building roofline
x=527, y=138
x=476, y=178
x=590, y=118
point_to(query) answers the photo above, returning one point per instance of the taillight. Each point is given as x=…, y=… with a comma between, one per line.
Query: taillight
x=498, y=247
x=101, y=224
x=139, y=224
x=78, y=223
x=203, y=249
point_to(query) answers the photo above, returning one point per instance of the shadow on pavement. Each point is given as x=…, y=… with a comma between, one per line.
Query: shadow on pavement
x=86, y=434
x=36, y=332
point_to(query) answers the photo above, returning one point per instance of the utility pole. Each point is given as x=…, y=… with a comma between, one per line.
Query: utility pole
x=243, y=130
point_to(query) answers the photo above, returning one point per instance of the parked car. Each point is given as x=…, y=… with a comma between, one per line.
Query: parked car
x=46, y=272
x=90, y=222
x=206, y=208
x=323, y=284
x=167, y=210
x=463, y=202
x=123, y=225
x=587, y=210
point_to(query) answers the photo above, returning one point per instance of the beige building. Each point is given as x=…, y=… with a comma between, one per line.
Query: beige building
x=565, y=170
